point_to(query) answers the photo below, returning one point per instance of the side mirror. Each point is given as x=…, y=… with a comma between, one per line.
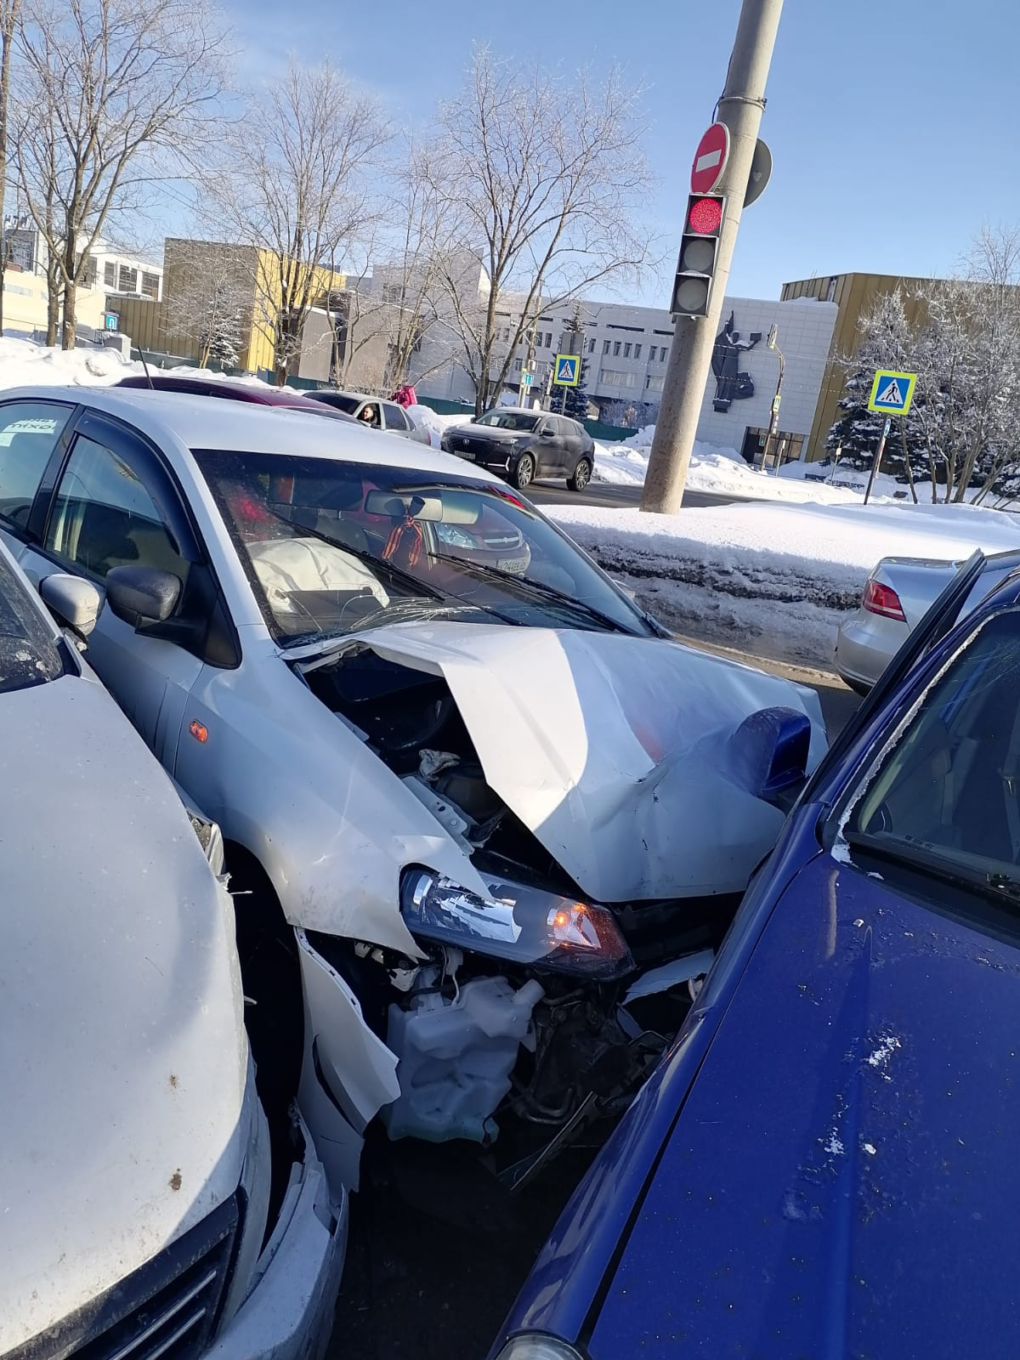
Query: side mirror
x=547, y=432
x=142, y=594
x=770, y=751
x=72, y=601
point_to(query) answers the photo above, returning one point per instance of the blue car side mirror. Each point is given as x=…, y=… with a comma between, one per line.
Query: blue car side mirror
x=770, y=751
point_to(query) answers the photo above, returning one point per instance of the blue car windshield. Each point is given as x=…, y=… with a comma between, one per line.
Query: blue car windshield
x=28, y=652
x=948, y=784
x=331, y=547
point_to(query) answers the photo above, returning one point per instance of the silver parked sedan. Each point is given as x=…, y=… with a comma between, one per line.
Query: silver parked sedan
x=896, y=596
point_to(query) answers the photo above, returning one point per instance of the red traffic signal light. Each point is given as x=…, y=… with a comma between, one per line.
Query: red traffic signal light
x=699, y=249
x=704, y=216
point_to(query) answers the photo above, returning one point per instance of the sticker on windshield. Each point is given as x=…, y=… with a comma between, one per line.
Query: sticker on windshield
x=36, y=425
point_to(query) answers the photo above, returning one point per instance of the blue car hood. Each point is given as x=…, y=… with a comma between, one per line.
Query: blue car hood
x=844, y=1178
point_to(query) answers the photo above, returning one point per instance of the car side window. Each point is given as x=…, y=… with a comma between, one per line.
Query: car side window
x=29, y=431
x=103, y=517
x=394, y=417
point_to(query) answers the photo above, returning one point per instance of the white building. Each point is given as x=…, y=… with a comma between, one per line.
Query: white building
x=626, y=350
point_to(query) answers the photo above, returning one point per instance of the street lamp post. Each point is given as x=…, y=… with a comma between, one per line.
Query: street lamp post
x=774, y=422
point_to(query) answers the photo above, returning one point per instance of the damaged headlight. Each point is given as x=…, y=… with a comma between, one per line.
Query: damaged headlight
x=517, y=923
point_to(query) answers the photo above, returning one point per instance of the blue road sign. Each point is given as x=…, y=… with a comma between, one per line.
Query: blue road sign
x=567, y=370
x=892, y=392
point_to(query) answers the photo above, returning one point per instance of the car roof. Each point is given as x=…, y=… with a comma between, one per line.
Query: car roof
x=345, y=392
x=185, y=382
x=174, y=418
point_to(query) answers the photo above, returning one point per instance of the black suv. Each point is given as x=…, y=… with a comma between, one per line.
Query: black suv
x=526, y=445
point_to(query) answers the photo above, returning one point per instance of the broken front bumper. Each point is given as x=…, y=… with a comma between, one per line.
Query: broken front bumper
x=288, y=1313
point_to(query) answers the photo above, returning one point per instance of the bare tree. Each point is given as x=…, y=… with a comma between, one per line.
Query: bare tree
x=8, y=23
x=107, y=90
x=298, y=188
x=547, y=181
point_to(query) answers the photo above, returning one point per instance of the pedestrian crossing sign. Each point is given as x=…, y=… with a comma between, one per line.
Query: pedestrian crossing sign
x=567, y=370
x=892, y=393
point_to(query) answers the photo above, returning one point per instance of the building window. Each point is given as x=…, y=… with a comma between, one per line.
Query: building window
x=517, y=365
x=653, y=384
x=150, y=285
x=637, y=351
x=548, y=339
x=605, y=346
x=612, y=377
x=626, y=351
x=128, y=279
x=616, y=348
x=91, y=272
x=110, y=274
x=591, y=345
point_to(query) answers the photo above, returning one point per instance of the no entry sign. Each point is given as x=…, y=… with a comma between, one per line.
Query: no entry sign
x=710, y=159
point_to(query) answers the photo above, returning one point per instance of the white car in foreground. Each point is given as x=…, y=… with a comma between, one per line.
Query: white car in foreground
x=145, y=1208
x=487, y=822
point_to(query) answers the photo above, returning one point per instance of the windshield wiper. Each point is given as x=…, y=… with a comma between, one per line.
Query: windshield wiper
x=991, y=883
x=539, y=590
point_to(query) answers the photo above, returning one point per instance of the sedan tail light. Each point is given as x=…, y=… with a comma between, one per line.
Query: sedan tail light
x=882, y=599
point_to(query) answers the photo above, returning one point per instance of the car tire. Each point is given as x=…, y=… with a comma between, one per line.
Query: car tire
x=524, y=472
x=582, y=475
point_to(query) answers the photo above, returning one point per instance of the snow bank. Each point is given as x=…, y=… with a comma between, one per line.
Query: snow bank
x=772, y=577
x=23, y=363
x=719, y=469
x=434, y=423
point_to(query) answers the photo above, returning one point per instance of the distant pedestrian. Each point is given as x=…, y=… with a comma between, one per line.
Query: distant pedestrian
x=405, y=395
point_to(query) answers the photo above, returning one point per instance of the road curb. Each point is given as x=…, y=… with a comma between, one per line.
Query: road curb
x=807, y=675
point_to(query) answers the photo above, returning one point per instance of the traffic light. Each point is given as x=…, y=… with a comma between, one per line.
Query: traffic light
x=699, y=250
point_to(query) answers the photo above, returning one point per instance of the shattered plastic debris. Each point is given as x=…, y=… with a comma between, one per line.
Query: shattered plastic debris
x=869, y=1148
x=834, y=1146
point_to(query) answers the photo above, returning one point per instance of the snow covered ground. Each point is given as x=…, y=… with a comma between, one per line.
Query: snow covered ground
x=772, y=579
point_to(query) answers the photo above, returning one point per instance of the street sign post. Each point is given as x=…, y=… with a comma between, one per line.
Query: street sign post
x=567, y=370
x=527, y=379
x=892, y=392
x=876, y=465
x=710, y=159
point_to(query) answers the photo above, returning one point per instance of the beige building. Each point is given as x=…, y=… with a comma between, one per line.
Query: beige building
x=854, y=295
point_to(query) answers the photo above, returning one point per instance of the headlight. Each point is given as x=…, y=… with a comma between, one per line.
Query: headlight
x=456, y=538
x=537, y=1348
x=517, y=923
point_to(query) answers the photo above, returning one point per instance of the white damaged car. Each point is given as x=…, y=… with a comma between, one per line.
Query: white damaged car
x=487, y=822
x=145, y=1207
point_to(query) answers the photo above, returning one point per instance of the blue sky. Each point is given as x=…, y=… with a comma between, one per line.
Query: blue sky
x=888, y=119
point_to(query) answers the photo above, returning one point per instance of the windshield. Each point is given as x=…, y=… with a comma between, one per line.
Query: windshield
x=331, y=547
x=946, y=793
x=508, y=420
x=28, y=651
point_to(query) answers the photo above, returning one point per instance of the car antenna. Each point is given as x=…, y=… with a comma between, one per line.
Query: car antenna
x=148, y=375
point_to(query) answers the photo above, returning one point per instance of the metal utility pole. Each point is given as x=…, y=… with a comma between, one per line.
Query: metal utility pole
x=740, y=108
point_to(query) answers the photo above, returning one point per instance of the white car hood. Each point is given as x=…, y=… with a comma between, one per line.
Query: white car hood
x=122, y=1049
x=615, y=751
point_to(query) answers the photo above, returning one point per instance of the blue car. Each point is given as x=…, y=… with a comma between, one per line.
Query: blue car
x=826, y=1162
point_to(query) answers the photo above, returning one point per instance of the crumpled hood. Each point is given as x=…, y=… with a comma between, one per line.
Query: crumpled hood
x=122, y=1050
x=615, y=751
x=842, y=1180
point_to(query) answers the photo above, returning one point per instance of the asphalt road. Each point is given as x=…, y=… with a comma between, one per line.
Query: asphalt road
x=612, y=497
x=437, y=1248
